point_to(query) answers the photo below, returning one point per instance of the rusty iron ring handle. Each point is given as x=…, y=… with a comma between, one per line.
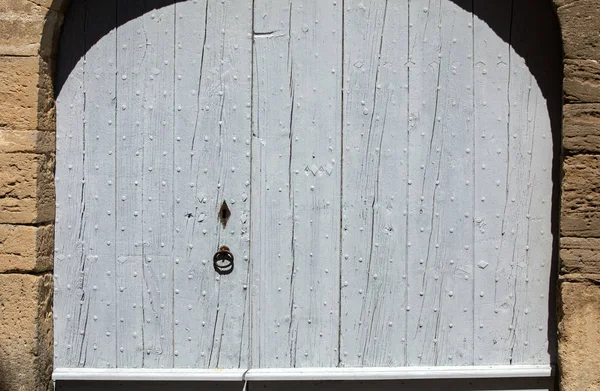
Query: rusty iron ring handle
x=223, y=261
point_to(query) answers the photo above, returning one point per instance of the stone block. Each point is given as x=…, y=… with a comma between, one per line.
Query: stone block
x=579, y=336
x=581, y=128
x=581, y=196
x=580, y=256
x=26, y=188
x=21, y=26
x=25, y=332
x=580, y=22
x=26, y=141
x=582, y=81
x=26, y=248
x=46, y=106
x=19, y=92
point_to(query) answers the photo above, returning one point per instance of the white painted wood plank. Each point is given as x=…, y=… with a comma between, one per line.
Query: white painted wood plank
x=69, y=258
x=132, y=74
x=212, y=161
x=373, y=296
x=303, y=374
x=440, y=236
x=491, y=89
x=296, y=184
x=514, y=242
x=156, y=121
x=99, y=191
x=532, y=153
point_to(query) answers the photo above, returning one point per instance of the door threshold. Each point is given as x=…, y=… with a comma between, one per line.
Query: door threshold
x=299, y=374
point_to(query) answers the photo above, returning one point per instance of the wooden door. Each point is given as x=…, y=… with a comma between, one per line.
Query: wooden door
x=381, y=172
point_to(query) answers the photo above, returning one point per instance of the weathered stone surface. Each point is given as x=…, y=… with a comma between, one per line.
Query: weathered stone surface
x=26, y=248
x=579, y=336
x=46, y=109
x=581, y=196
x=560, y=3
x=28, y=141
x=580, y=22
x=19, y=92
x=25, y=332
x=21, y=25
x=582, y=81
x=581, y=128
x=580, y=255
x=26, y=188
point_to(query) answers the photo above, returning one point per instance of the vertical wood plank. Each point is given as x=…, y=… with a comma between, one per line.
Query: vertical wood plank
x=99, y=191
x=492, y=57
x=531, y=160
x=373, y=296
x=212, y=166
x=440, y=321
x=157, y=182
x=133, y=70
x=296, y=183
x=70, y=314
x=514, y=247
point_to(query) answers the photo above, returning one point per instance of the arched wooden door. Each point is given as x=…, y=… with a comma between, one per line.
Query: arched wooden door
x=381, y=172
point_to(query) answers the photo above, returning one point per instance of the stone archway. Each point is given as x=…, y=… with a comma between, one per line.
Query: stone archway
x=27, y=49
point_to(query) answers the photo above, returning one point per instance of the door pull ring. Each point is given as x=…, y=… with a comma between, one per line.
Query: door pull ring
x=223, y=261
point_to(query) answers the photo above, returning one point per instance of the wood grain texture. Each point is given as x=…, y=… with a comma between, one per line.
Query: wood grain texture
x=212, y=161
x=155, y=113
x=440, y=238
x=373, y=296
x=69, y=257
x=492, y=100
x=99, y=233
x=132, y=73
x=296, y=183
x=387, y=166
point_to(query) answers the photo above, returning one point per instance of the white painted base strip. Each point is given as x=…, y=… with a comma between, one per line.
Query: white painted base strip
x=400, y=373
x=120, y=374
x=296, y=374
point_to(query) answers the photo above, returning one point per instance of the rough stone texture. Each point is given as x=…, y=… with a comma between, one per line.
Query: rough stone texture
x=580, y=21
x=25, y=332
x=46, y=109
x=26, y=188
x=580, y=256
x=582, y=81
x=21, y=24
x=26, y=248
x=581, y=128
x=581, y=196
x=579, y=336
x=19, y=92
x=27, y=141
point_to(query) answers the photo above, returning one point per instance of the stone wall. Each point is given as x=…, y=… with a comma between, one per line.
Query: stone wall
x=579, y=283
x=29, y=32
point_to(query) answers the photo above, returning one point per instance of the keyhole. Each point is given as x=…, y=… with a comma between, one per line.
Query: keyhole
x=224, y=214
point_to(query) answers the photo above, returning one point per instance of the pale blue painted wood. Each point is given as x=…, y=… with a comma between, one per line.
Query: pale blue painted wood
x=296, y=183
x=387, y=167
x=491, y=89
x=274, y=334
x=155, y=113
x=529, y=199
x=69, y=258
x=374, y=219
x=212, y=166
x=440, y=233
x=98, y=215
x=131, y=44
